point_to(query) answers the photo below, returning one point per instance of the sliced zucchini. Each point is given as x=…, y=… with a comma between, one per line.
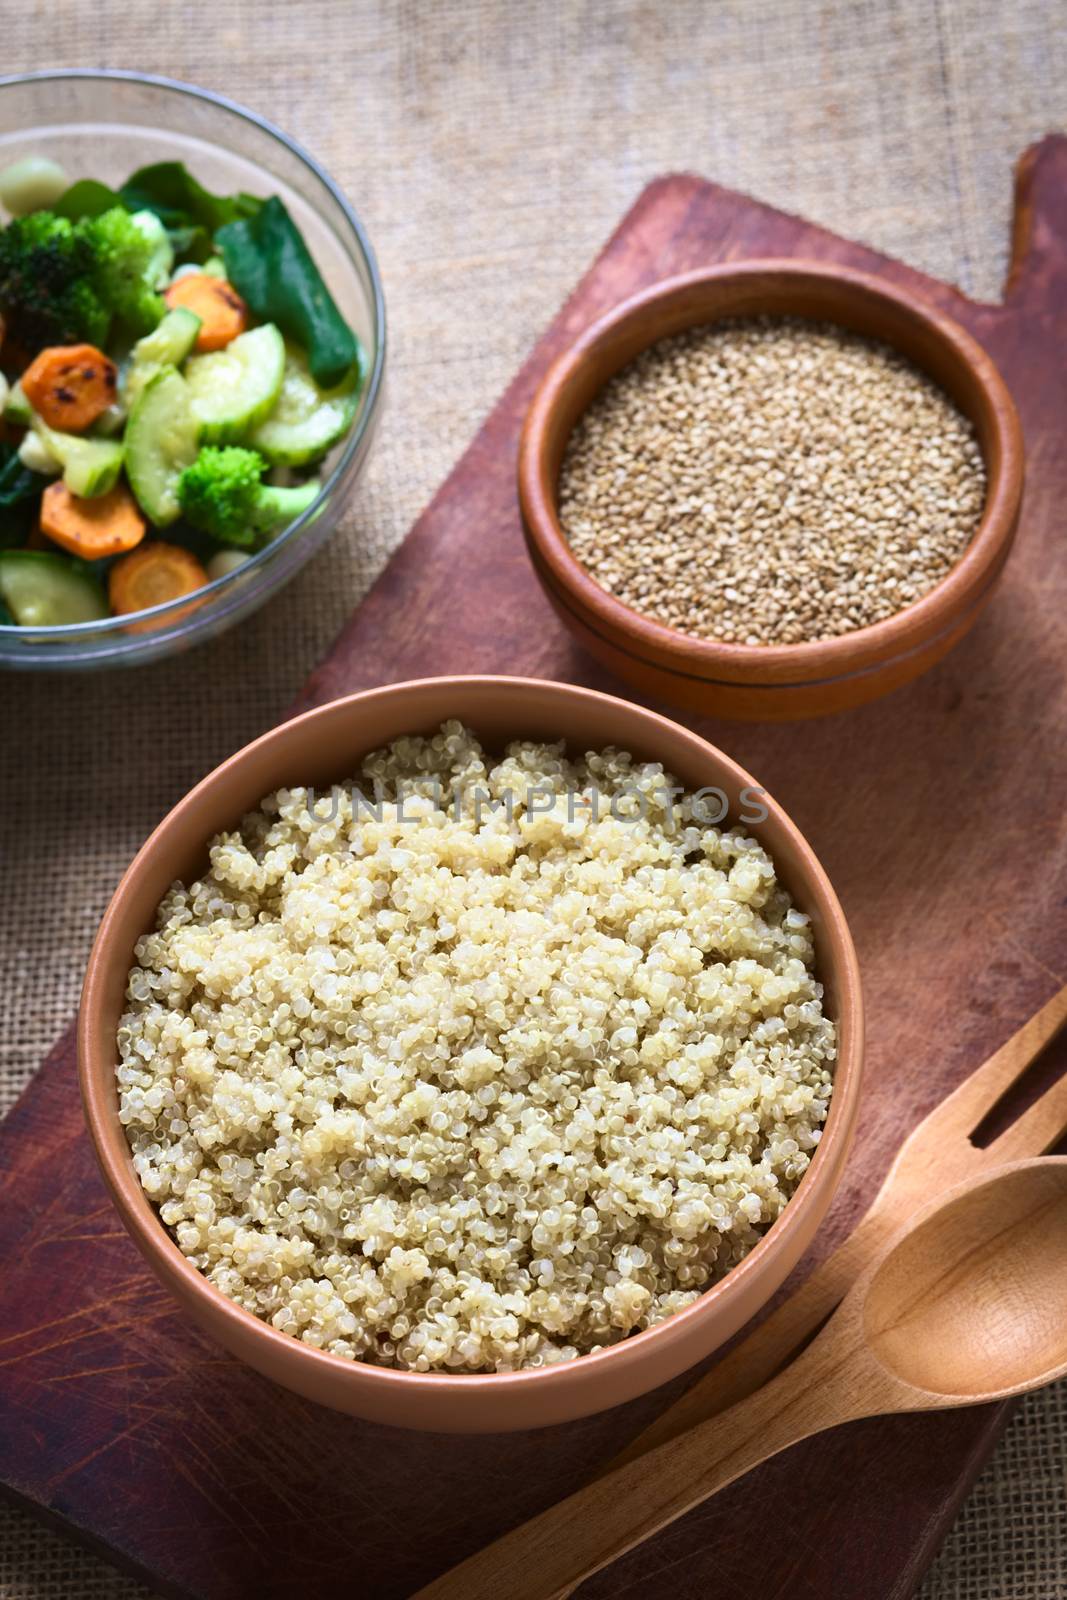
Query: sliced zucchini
x=166, y=346
x=170, y=340
x=90, y=466
x=234, y=389
x=33, y=453
x=110, y=422
x=162, y=438
x=49, y=591
x=306, y=420
x=17, y=408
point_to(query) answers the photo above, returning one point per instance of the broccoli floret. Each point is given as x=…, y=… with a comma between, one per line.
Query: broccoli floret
x=62, y=282
x=129, y=260
x=223, y=494
x=47, y=293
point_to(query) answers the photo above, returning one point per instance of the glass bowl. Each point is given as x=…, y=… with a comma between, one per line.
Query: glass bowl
x=105, y=125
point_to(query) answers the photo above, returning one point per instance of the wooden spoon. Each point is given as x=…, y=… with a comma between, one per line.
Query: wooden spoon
x=965, y=1305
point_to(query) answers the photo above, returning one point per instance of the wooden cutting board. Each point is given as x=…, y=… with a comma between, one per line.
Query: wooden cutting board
x=939, y=813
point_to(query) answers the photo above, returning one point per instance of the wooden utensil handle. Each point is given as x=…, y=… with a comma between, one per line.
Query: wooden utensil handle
x=765, y=1351
x=550, y=1555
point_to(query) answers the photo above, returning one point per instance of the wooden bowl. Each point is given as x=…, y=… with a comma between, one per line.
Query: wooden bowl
x=325, y=746
x=771, y=682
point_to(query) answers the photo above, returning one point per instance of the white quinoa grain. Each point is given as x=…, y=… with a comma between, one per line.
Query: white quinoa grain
x=466, y=1093
x=770, y=481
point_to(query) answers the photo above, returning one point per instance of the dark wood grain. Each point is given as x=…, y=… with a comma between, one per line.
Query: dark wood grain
x=939, y=813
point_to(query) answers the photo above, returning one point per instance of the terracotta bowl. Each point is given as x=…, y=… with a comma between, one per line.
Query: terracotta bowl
x=324, y=746
x=770, y=682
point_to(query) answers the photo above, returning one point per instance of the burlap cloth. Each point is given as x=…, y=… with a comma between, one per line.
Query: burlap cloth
x=490, y=148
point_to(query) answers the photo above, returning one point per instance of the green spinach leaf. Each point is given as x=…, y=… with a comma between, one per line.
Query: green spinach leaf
x=191, y=244
x=269, y=264
x=179, y=201
x=17, y=482
x=86, y=198
x=20, y=490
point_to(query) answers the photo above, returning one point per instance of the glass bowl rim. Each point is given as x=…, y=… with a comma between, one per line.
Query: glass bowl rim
x=104, y=627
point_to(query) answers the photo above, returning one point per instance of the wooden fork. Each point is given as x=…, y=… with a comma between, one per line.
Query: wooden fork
x=936, y=1156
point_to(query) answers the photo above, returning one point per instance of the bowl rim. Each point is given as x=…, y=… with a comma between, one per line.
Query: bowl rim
x=96, y=1072
x=84, y=632
x=580, y=622
x=775, y=666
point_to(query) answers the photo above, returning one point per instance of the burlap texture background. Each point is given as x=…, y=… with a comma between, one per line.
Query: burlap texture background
x=490, y=148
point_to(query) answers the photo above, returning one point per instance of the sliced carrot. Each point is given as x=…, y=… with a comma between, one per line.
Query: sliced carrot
x=151, y=575
x=70, y=385
x=107, y=525
x=222, y=312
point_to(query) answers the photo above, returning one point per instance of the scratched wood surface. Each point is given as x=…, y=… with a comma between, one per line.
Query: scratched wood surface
x=939, y=813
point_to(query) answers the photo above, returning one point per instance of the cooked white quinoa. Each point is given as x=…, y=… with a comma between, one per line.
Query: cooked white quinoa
x=770, y=481
x=469, y=1094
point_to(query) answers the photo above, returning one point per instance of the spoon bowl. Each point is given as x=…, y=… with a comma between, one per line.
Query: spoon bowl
x=972, y=1302
x=967, y=1303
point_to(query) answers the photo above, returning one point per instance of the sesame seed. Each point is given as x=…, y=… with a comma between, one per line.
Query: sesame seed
x=770, y=481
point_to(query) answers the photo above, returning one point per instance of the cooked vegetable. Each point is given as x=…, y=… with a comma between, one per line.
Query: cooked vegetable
x=161, y=441
x=61, y=282
x=306, y=420
x=161, y=261
x=20, y=490
x=151, y=575
x=110, y=422
x=223, y=562
x=86, y=198
x=108, y=525
x=70, y=385
x=188, y=211
x=37, y=458
x=171, y=341
x=46, y=287
x=269, y=264
x=90, y=466
x=131, y=259
x=141, y=387
x=31, y=184
x=222, y=313
x=223, y=493
x=179, y=201
x=17, y=483
x=44, y=590
x=17, y=408
x=166, y=346
x=232, y=390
